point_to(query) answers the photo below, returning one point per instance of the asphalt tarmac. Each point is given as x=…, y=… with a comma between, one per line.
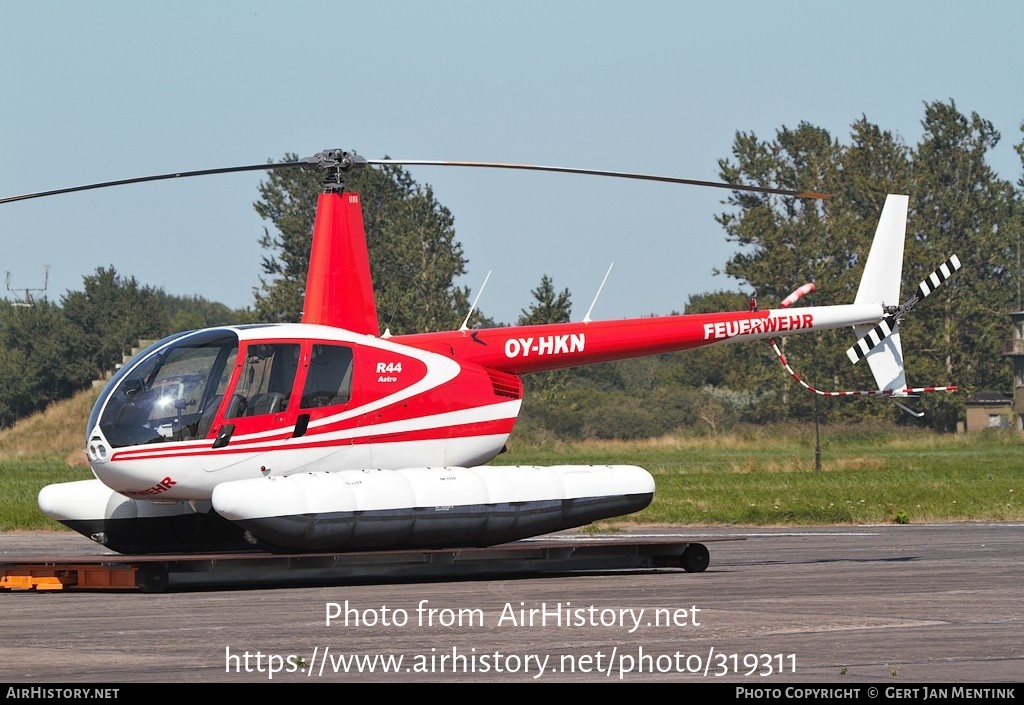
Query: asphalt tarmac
x=891, y=606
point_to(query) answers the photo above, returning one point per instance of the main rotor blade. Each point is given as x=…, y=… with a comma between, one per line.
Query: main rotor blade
x=599, y=172
x=157, y=177
x=343, y=161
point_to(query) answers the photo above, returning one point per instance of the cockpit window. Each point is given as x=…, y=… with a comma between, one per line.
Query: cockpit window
x=329, y=380
x=265, y=384
x=165, y=395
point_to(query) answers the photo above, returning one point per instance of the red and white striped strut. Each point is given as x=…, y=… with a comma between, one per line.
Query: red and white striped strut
x=907, y=391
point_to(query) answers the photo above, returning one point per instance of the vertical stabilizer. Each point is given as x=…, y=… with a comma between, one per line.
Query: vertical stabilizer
x=880, y=284
x=883, y=272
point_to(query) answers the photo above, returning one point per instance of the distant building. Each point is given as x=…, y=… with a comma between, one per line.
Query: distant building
x=991, y=410
x=1014, y=348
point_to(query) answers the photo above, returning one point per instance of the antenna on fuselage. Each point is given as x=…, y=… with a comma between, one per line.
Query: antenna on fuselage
x=465, y=323
x=586, y=319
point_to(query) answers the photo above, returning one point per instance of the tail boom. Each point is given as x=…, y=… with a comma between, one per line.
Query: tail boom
x=528, y=349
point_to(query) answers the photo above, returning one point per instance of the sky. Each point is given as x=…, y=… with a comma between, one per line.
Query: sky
x=112, y=90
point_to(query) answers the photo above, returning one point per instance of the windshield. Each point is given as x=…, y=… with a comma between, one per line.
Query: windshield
x=165, y=391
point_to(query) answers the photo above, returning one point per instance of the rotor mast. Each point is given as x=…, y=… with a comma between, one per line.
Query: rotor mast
x=339, y=285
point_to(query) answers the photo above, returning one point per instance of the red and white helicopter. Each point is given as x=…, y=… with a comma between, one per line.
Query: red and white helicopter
x=327, y=435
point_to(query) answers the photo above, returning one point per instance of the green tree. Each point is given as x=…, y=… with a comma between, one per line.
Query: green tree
x=786, y=242
x=960, y=206
x=1020, y=152
x=1018, y=234
x=957, y=205
x=194, y=312
x=548, y=305
x=110, y=316
x=15, y=384
x=288, y=200
x=414, y=256
x=40, y=359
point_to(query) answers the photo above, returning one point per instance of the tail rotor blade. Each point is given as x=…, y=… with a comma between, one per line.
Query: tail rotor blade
x=941, y=274
x=885, y=328
x=869, y=342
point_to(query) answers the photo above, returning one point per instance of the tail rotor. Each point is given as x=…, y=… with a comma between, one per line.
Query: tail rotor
x=889, y=324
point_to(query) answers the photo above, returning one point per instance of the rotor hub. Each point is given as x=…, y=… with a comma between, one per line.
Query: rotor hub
x=334, y=163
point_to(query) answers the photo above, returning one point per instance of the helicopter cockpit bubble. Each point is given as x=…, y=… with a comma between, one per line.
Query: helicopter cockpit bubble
x=162, y=393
